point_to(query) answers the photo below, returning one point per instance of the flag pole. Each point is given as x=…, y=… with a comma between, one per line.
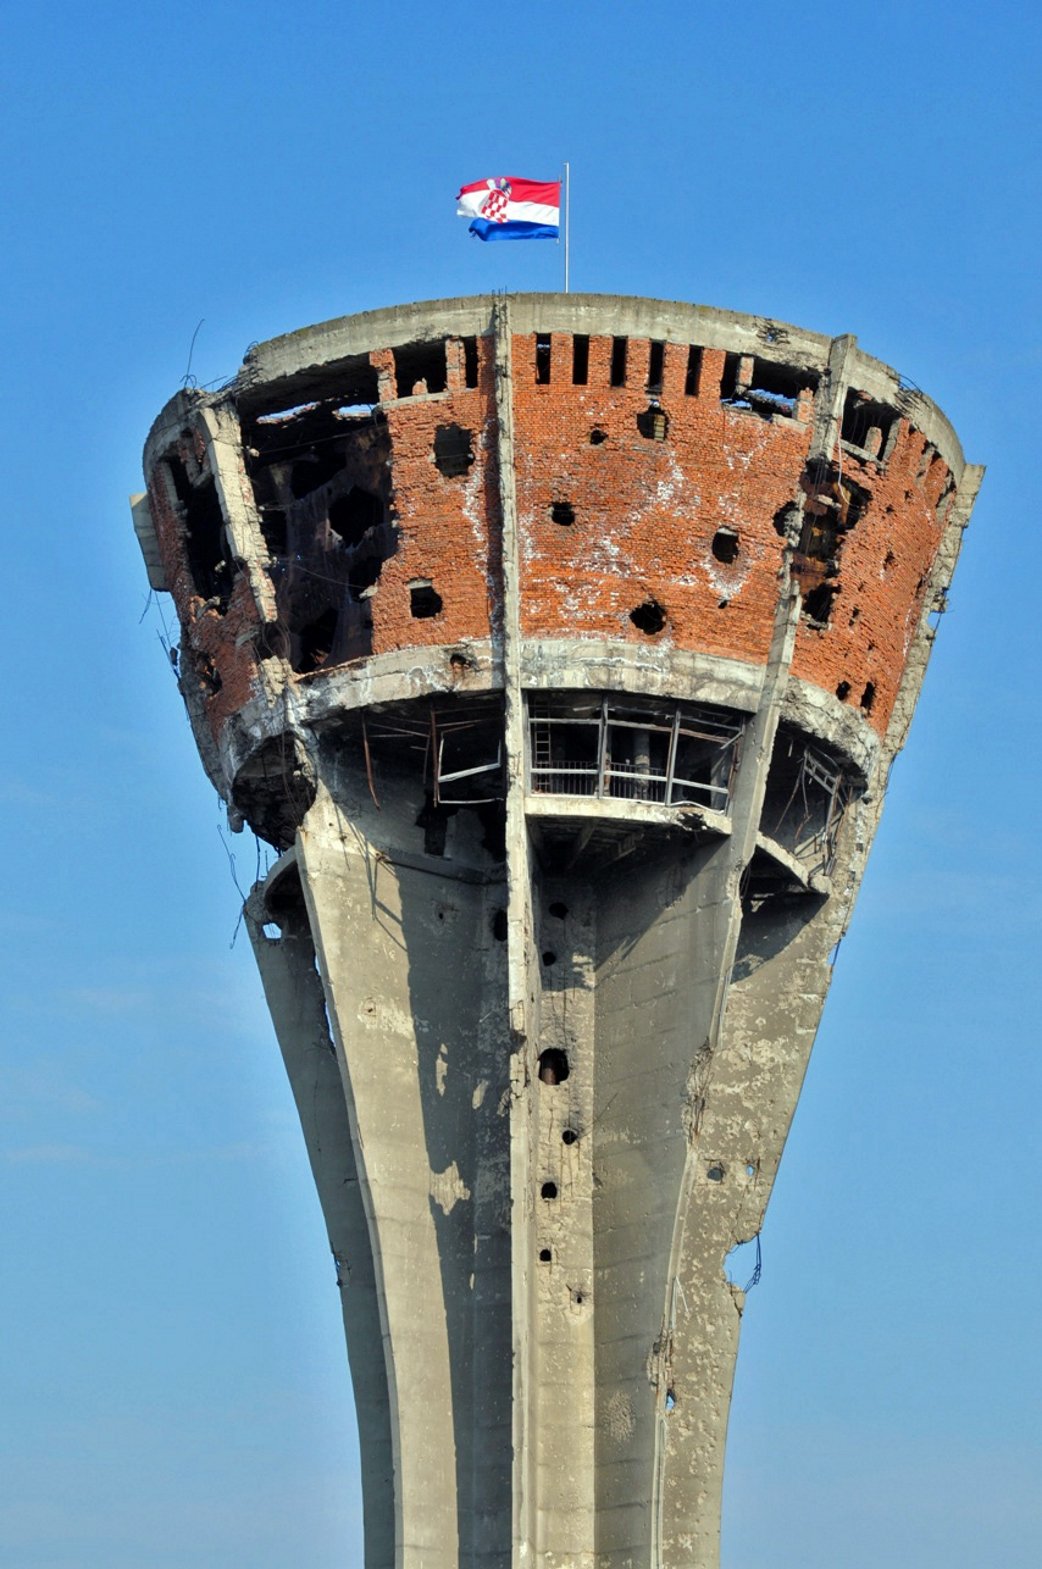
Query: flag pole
x=567, y=195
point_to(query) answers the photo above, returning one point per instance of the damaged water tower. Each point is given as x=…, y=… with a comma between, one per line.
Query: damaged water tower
x=560, y=646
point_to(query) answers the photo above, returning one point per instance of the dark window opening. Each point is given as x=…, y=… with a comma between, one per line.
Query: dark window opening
x=598, y=436
x=693, y=378
x=656, y=364
x=730, y=377
x=558, y=909
x=424, y=601
x=315, y=641
x=868, y=425
x=649, y=617
x=499, y=925
x=563, y=512
x=817, y=603
x=542, y=358
x=312, y=470
x=553, y=1066
x=470, y=361
x=725, y=546
x=653, y=423
x=569, y=1136
x=843, y=691
x=352, y=516
x=764, y=387
x=548, y=1190
x=618, y=361
x=807, y=793
x=545, y=1255
x=419, y=368
x=453, y=454
x=580, y=359
x=205, y=544
x=868, y=697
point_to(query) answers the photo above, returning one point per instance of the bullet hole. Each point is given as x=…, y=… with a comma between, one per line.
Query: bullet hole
x=577, y=1298
x=750, y=1168
x=569, y=1136
x=889, y=560
x=598, y=436
x=545, y=1255
x=653, y=423
x=843, y=691
x=649, y=617
x=558, y=909
x=549, y=957
x=272, y=931
x=452, y=451
x=725, y=546
x=868, y=697
x=563, y=512
x=424, y=601
x=548, y=1190
x=499, y=925
x=722, y=604
x=671, y=1400
x=553, y=1066
x=715, y=1173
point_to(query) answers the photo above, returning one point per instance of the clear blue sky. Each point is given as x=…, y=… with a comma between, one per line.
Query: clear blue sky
x=173, y=1385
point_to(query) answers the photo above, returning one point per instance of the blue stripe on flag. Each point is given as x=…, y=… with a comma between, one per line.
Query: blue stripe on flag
x=513, y=231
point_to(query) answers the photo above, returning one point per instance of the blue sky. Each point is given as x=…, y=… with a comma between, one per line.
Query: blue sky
x=172, y=1377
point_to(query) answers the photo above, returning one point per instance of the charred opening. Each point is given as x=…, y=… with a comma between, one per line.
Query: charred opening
x=352, y=516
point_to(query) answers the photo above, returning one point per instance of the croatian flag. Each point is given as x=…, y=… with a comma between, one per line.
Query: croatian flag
x=512, y=209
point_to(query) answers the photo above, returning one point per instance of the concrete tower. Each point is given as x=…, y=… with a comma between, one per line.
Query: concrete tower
x=560, y=644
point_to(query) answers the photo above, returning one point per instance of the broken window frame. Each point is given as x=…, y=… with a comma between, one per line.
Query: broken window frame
x=816, y=850
x=606, y=775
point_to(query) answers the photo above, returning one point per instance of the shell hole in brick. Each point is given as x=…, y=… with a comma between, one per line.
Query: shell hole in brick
x=352, y=516
x=545, y=1255
x=548, y=1190
x=453, y=454
x=653, y=423
x=553, y=1065
x=786, y=520
x=725, y=546
x=889, y=560
x=817, y=604
x=558, y=909
x=580, y=359
x=649, y=617
x=419, y=368
x=499, y=925
x=843, y=691
x=598, y=436
x=569, y=1136
x=563, y=512
x=868, y=697
x=722, y=604
x=424, y=601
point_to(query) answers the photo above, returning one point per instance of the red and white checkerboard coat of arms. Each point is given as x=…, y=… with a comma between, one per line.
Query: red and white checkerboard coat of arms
x=494, y=207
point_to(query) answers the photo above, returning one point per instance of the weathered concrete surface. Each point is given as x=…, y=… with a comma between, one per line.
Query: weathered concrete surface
x=563, y=645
